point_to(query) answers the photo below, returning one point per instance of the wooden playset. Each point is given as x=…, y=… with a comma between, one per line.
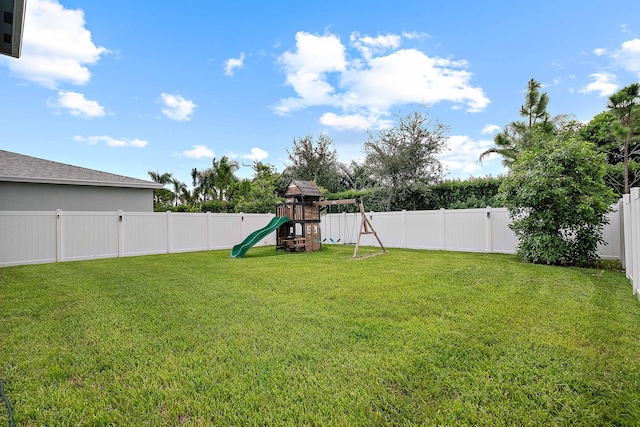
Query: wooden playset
x=302, y=207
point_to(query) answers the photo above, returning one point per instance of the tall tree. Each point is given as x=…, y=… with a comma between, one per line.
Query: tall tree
x=623, y=105
x=404, y=158
x=314, y=160
x=203, y=185
x=162, y=197
x=517, y=135
x=223, y=176
x=161, y=178
x=178, y=190
x=261, y=195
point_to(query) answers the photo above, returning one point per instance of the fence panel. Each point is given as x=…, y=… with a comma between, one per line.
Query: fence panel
x=465, y=230
x=27, y=238
x=635, y=239
x=423, y=230
x=89, y=235
x=145, y=233
x=612, y=235
x=189, y=232
x=503, y=239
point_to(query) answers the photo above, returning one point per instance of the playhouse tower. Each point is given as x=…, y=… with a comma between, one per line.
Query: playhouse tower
x=302, y=232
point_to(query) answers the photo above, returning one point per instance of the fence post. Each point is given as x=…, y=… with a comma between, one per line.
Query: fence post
x=59, y=234
x=489, y=230
x=120, y=233
x=627, y=228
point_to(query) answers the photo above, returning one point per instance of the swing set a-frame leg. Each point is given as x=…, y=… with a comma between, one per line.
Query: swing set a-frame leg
x=366, y=228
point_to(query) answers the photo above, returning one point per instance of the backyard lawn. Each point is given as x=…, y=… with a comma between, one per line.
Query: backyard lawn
x=404, y=338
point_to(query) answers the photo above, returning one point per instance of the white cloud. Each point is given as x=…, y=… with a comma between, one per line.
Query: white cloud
x=356, y=122
x=411, y=35
x=231, y=64
x=78, y=105
x=599, y=51
x=56, y=46
x=198, y=151
x=113, y=142
x=461, y=159
x=177, y=108
x=628, y=56
x=257, y=154
x=368, y=46
x=490, y=129
x=367, y=86
x=307, y=70
x=603, y=83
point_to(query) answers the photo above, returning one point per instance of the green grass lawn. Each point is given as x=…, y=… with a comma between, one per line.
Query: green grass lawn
x=404, y=338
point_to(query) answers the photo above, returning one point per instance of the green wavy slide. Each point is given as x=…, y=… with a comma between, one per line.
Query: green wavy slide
x=241, y=249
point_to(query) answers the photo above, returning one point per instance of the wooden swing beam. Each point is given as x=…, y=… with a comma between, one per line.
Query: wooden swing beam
x=365, y=225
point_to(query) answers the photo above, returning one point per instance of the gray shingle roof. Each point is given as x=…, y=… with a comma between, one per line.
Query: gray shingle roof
x=16, y=167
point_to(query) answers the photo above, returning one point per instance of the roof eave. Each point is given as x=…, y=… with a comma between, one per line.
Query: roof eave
x=149, y=185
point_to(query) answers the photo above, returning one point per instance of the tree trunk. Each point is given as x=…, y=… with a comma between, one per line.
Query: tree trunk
x=626, y=166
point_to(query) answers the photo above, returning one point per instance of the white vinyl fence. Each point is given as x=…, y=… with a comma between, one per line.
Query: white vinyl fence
x=631, y=218
x=40, y=237
x=467, y=230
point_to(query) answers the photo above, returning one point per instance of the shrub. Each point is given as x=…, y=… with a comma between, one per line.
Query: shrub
x=558, y=199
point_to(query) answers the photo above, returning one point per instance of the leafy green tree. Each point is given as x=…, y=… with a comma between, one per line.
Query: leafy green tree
x=314, y=160
x=623, y=104
x=223, y=177
x=402, y=160
x=604, y=131
x=203, y=185
x=517, y=135
x=259, y=195
x=558, y=200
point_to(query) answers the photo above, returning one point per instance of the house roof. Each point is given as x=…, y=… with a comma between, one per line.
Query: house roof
x=305, y=188
x=16, y=167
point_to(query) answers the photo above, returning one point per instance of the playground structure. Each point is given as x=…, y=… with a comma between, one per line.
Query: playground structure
x=302, y=206
x=297, y=222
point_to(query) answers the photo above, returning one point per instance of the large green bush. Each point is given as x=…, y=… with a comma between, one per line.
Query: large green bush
x=558, y=201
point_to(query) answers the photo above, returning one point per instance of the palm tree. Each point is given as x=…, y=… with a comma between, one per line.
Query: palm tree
x=224, y=176
x=203, y=184
x=517, y=135
x=178, y=188
x=163, y=179
x=622, y=104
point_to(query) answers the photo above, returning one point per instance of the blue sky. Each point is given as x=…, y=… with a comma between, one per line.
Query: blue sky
x=132, y=86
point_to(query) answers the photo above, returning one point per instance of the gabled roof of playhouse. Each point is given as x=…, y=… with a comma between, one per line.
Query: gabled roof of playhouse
x=16, y=167
x=304, y=188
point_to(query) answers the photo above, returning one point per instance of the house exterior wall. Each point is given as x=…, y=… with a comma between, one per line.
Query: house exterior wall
x=19, y=196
